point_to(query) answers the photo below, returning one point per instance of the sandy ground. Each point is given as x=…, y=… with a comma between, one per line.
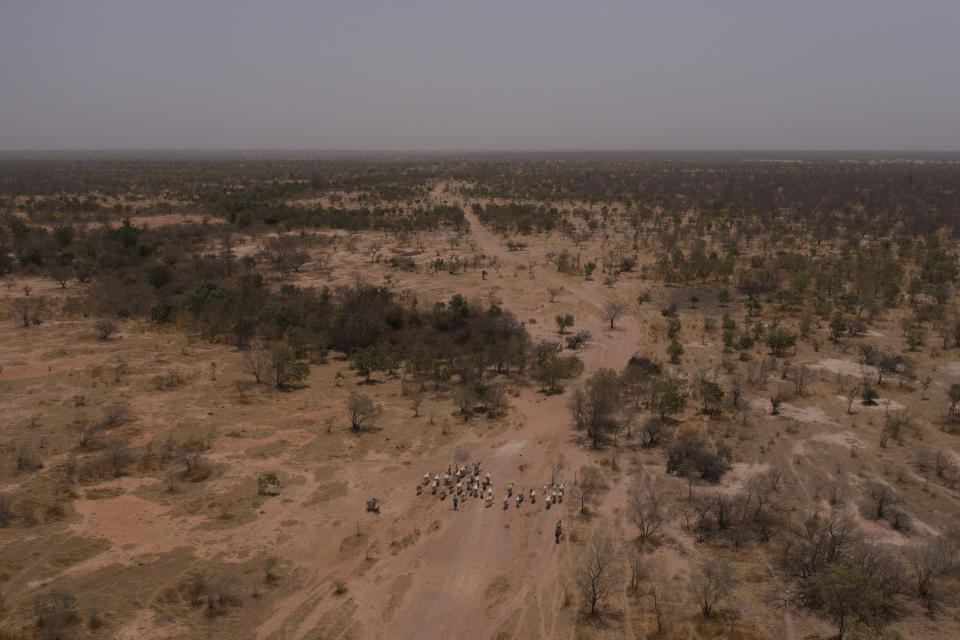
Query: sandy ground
x=418, y=568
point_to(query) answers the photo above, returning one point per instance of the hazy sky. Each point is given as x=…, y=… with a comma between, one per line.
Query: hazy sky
x=480, y=75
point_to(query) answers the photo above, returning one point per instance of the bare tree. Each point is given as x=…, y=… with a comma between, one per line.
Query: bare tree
x=736, y=389
x=800, y=376
x=929, y=561
x=594, y=574
x=105, y=328
x=6, y=511
x=660, y=591
x=28, y=309
x=56, y=613
x=882, y=497
x=588, y=484
x=637, y=572
x=116, y=413
x=374, y=249
x=645, y=504
x=256, y=362
x=361, y=409
x=612, y=311
x=90, y=430
x=556, y=470
x=711, y=583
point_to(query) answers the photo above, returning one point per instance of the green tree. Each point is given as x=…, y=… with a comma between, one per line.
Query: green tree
x=361, y=409
x=712, y=395
x=673, y=327
x=599, y=408
x=667, y=396
x=674, y=350
x=779, y=340
x=848, y=595
x=563, y=321
x=837, y=326
x=368, y=360
x=588, y=269
x=284, y=368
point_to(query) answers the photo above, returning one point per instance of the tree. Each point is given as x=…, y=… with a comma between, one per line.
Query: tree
x=105, y=328
x=659, y=597
x=674, y=350
x=595, y=576
x=848, y=594
x=588, y=484
x=564, y=321
x=779, y=340
x=929, y=561
x=775, y=402
x=954, y=396
x=551, y=369
x=361, y=409
x=612, y=311
x=837, y=326
x=645, y=505
x=598, y=407
x=653, y=431
x=256, y=362
x=61, y=273
x=28, y=309
x=56, y=613
x=712, y=395
x=799, y=376
x=882, y=497
x=711, y=583
x=284, y=368
x=690, y=454
x=667, y=396
x=368, y=360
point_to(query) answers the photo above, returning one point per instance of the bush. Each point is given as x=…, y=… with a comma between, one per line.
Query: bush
x=578, y=341
x=162, y=312
x=690, y=454
x=105, y=328
x=116, y=413
x=268, y=484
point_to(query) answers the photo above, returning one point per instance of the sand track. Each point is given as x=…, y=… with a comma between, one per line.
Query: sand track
x=453, y=568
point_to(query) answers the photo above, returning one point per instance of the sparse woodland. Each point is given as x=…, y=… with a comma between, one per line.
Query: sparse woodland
x=222, y=379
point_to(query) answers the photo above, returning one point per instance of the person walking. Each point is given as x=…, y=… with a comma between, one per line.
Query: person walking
x=455, y=503
x=557, y=532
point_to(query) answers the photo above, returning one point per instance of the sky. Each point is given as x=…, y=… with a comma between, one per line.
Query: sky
x=483, y=75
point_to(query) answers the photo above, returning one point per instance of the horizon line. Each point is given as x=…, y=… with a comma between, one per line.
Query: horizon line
x=469, y=152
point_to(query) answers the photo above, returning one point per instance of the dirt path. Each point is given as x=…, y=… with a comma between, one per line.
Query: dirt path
x=483, y=567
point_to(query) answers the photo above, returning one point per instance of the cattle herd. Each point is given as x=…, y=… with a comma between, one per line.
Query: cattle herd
x=461, y=483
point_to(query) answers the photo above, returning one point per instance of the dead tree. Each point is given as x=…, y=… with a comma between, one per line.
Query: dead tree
x=594, y=575
x=612, y=311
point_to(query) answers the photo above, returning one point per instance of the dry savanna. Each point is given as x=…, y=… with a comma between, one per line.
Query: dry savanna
x=496, y=397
